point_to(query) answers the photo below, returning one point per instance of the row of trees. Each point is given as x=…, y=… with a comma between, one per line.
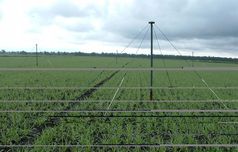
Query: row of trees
x=200, y=58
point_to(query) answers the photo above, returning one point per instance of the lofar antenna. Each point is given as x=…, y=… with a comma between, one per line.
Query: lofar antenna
x=151, y=59
x=37, y=55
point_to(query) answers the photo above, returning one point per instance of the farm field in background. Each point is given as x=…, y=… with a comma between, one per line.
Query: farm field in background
x=53, y=107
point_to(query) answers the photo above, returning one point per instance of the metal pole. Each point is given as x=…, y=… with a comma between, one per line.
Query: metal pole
x=151, y=60
x=116, y=56
x=36, y=55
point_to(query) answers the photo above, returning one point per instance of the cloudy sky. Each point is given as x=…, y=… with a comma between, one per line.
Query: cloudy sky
x=205, y=27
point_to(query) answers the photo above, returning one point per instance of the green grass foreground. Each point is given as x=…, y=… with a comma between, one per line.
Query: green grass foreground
x=58, y=91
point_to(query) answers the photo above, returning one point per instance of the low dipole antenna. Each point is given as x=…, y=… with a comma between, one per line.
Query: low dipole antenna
x=37, y=55
x=151, y=60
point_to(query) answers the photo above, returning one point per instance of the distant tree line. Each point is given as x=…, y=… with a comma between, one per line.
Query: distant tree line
x=177, y=57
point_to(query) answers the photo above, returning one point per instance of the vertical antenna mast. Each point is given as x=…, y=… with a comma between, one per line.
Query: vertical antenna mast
x=36, y=55
x=116, y=56
x=151, y=59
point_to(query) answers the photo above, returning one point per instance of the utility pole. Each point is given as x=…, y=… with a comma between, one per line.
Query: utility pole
x=36, y=55
x=151, y=59
x=192, y=59
x=116, y=56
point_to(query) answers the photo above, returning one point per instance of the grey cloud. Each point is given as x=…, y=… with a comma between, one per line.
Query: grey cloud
x=229, y=44
x=181, y=19
x=79, y=27
x=67, y=15
x=190, y=24
x=65, y=9
x=203, y=19
x=201, y=45
x=208, y=24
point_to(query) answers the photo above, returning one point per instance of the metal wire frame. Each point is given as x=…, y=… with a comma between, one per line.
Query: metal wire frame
x=153, y=116
x=197, y=123
x=125, y=111
x=125, y=69
x=117, y=101
x=110, y=88
x=124, y=146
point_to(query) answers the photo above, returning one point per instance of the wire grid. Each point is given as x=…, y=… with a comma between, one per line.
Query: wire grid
x=107, y=110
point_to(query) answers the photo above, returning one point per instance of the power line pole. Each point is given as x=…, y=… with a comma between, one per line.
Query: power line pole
x=192, y=59
x=116, y=56
x=151, y=59
x=37, y=55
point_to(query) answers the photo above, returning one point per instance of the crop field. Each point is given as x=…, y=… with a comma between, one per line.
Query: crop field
x=90, y=103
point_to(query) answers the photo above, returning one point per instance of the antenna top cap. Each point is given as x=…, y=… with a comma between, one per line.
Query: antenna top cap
x=151, y=22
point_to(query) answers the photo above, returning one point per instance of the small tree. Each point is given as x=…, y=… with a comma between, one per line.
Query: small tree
x=3, y=51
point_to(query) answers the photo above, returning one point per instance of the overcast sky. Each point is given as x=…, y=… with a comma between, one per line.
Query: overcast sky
x=206, y=27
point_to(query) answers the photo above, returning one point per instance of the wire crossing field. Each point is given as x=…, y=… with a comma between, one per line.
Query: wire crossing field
x=99, y=110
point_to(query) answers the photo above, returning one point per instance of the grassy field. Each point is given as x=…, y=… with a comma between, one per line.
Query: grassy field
x=112, y=108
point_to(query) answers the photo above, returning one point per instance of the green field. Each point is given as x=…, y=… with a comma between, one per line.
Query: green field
x=112, y=109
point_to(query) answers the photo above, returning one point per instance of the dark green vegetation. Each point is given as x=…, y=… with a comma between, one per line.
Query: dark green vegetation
x=55, y=91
